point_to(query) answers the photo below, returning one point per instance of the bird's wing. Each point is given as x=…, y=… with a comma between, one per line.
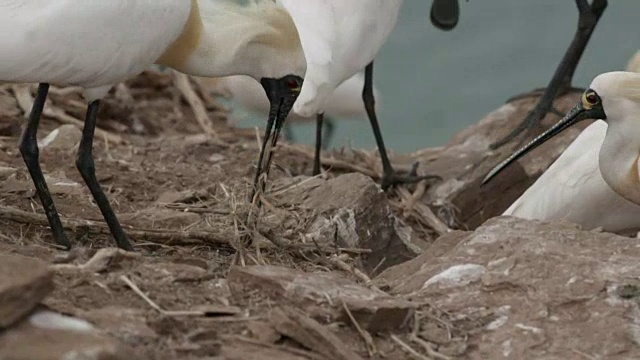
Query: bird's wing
x=572, y=179
x=85, y=43
x=315, y=21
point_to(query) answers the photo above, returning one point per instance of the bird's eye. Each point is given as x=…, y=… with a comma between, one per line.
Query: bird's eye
x=592, y=98
x=293, y=84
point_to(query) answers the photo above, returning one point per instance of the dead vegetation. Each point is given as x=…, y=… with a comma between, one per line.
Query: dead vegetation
x=178, y=177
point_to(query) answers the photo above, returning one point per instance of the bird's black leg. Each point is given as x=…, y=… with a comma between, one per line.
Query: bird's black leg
x=389, y=176
x=30, y=153
x=561, y=81
x=86, y=167
x=316, y=159
x=327, y=135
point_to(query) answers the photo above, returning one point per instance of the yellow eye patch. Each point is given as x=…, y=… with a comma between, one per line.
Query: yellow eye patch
x=589, y=99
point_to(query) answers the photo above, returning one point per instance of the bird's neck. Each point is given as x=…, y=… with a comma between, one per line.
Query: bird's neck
x=222, y=39
x=619, y=157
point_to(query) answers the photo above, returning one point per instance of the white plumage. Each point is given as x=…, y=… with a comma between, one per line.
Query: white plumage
x=339, y=39
x=91, y=44
x=573, y=188
x=96, y=44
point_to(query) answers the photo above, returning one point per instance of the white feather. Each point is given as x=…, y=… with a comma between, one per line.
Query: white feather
x=85, y=43
x=339, y=38
x=573, y=190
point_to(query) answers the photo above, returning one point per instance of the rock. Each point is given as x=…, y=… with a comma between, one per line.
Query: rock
x=154, y=217
x=533, y=289
x=24, y=282
x=129, y=325
x=51, y=336
x=243, y=349
x=308, y=332
x=322, y=295
x=58, y=185
x=264, y=332
x=466, y=159
x=354, y=210
x=65, y=138
x=6, y=172
x=184, y=197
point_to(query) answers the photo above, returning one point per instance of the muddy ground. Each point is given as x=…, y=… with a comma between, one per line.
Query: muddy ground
x=182, y=196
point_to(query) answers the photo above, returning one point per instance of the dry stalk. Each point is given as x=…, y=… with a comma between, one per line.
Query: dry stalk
x=366, y=337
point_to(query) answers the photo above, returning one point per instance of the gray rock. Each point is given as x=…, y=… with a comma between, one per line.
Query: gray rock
x=65, y=137
x=532, y=289
x=50, y=336
x=356, y=213
x=24, y=282
x=322, y=295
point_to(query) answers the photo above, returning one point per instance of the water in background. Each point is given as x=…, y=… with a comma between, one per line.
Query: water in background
x=434, y=83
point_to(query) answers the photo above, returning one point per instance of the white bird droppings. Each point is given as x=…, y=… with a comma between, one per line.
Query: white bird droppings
x=52, y=320
x=455, y=276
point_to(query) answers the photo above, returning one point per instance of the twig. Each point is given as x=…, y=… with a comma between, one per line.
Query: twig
x=340, y=264
x=157, y=307
x=182, y=83
x=162, y=236
x=429, y=348
x=331, y=162
x=410, y=201
x=368, y=340
x=408, y=348
x=424, y=213
x=307, y=354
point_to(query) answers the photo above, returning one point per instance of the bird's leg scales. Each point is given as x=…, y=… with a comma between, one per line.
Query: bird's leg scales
x=587, y=21
x=389, y=177
x=86, y=167
x=30, y=153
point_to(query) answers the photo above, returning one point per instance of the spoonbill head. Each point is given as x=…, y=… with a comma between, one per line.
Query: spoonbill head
x=615, y=98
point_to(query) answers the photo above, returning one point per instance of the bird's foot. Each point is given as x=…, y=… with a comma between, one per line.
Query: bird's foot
x=391, y=178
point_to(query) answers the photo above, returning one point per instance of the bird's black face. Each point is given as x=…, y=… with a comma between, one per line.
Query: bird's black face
x=282, y=94
x=589, y=107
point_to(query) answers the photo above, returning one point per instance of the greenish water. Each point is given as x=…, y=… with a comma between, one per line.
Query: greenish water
x=434, y=83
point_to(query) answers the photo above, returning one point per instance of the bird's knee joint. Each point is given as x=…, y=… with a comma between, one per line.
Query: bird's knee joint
x=29, y=149
x=85, y=164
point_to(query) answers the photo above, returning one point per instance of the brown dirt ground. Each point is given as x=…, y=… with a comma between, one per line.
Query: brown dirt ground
x=164, y=153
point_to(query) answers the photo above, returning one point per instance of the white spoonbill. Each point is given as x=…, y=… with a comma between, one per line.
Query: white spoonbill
x=339, y=39
x=96, y=44
x=560, y=83
x=559, y=193
x=615, y=98
x=573, y=190
x=344, y=102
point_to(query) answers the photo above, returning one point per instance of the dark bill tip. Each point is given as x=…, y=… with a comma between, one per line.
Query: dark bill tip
x=445, y=14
